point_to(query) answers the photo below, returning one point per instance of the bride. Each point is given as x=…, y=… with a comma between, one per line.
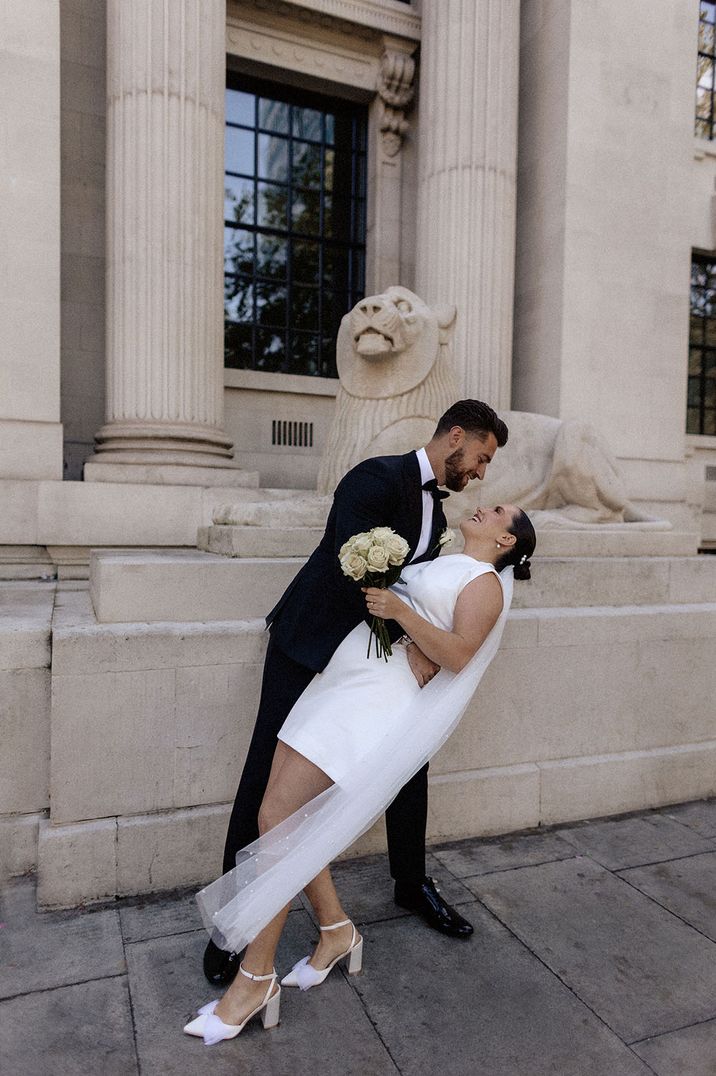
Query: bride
x=360, y=729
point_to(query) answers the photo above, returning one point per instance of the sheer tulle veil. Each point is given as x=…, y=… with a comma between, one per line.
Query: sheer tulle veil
x=273, y=869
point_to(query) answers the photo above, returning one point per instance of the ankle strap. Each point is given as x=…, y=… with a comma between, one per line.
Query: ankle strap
x=335, y=926
x=257, y=978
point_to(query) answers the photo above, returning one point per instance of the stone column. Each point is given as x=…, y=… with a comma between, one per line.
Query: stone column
x=30, y=429
x=467, y=173
x=165, y=164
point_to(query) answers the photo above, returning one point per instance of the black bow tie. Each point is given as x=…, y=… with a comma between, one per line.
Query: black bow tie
x=432, y=488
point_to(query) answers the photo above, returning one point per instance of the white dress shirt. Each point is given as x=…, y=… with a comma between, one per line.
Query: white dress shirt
x=426, y=473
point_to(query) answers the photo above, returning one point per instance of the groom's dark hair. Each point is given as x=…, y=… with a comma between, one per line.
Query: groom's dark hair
x=475, y=417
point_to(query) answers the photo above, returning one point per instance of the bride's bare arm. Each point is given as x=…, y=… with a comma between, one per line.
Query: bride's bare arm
x=476, y=611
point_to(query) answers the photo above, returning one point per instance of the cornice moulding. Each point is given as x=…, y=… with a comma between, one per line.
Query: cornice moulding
x=278, y=47
x=384, y=16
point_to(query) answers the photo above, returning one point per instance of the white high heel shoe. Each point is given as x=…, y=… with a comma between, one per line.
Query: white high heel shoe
x=304, y=975
x=212, y=1029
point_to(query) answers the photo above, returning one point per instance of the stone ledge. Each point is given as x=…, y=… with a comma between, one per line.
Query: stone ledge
x=97, y=859
x=229, y=541
x=190, y=585
x=102, y=858
x=18, y=843
x=171, y=474
x=573, y=789
x=25, y=617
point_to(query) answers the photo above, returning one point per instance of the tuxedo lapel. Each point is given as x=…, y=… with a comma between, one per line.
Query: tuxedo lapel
x=413, y=494
x=439, y=525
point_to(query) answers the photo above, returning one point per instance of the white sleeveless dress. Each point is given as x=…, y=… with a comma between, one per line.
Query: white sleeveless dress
x=368, y=725
x=346, y=709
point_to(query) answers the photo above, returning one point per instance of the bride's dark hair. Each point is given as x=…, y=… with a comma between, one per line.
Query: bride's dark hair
x=519, y=554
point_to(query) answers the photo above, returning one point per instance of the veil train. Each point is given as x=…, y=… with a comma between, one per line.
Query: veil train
x=270, y=871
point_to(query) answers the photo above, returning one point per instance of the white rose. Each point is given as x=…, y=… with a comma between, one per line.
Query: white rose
x=354, y=566
x=447, y=536
x=362, y=543
x=381, y=535
x=377, y=559
x=397, y=549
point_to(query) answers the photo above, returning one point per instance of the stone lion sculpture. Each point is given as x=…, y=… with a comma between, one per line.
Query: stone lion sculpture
x=562, y=472
x=394, y=364
x=393, y=356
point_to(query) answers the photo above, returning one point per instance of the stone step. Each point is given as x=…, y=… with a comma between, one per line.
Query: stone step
x=583, y=712
x=256, y=541
x=193, y=585
x=269, y=539
x=273, y=527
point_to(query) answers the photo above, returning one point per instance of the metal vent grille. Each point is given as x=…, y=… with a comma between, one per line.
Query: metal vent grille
x=291, y=433
x=711, y=474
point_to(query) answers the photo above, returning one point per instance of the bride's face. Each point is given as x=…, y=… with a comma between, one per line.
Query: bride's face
x=490, y=523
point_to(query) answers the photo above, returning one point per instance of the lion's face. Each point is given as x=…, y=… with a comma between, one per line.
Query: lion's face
x=387, y=324
x=388, y=343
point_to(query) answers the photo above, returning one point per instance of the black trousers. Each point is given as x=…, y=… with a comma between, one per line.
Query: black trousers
x=406, y=818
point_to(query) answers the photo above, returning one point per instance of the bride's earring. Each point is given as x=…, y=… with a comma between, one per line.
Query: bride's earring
x=498, y=545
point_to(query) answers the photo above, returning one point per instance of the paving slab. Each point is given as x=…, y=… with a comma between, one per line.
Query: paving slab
x=366, y=888
x=159, y=915
x=471, y=857
x=156, y=917
x=485, y=1007
x=632, y=962
x=73, y=1030
x=45, y=950
x=687, y=887
x=699, y=816
x=688, y=1052
x=321, y=1031
x=629, y=842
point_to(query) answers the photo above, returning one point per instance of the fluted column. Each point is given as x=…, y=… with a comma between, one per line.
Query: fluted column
x=165, y=164
x=467, y=173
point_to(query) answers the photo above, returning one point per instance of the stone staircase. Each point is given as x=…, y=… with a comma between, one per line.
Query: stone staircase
x=600, y=700
x=186, y=585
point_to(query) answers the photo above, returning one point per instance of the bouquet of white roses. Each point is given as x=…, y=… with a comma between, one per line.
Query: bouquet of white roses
x=374, y=559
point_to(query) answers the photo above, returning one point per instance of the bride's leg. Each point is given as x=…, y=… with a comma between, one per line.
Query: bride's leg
x=325, y=902
x=293, y=782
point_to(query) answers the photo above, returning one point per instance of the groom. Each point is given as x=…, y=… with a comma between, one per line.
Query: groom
x=321, y=606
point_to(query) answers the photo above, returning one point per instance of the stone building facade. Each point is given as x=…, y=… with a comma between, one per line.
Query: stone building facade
x=537, y=167
x=548, y=167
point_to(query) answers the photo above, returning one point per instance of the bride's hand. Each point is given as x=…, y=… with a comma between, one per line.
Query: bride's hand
x=422, y=668
x=382, y=602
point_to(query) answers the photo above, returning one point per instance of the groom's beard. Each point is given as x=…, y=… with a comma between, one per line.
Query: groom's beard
x=456, y=477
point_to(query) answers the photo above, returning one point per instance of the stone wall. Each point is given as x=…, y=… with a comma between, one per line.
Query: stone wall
x=599, y=701
x=603, y=247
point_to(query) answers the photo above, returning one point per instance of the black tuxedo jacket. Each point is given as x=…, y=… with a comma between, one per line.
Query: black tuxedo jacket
x=322, y=605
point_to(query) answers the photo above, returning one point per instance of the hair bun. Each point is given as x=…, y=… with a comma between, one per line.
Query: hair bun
x=522, y=570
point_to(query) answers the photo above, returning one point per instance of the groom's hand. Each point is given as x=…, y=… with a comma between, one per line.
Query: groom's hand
x=422, y=668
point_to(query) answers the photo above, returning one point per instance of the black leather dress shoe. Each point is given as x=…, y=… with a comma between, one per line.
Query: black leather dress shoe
x=220, y=967
x=426, y=901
